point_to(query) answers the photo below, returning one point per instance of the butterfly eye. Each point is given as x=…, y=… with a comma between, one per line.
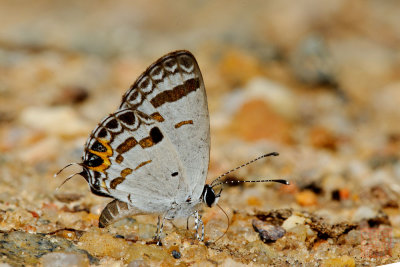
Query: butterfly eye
x=174, y=174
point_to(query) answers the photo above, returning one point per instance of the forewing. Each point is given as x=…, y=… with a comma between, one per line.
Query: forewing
x=172, y=92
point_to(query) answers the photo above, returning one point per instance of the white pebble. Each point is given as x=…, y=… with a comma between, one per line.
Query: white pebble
x=64, y=259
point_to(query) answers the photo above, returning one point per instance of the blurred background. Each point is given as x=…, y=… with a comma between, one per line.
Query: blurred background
x=317, y=81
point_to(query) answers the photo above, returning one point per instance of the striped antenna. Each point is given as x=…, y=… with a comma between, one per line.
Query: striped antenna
x=243, y=165
x=281, y=181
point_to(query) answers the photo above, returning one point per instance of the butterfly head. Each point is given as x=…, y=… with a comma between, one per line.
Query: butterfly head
x=209, y=197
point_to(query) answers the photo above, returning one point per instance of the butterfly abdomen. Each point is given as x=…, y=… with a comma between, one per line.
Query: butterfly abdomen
x=114, y=211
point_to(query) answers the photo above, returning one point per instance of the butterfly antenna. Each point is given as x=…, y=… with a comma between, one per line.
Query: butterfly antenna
x=243, y=165
x=281, y=181
x=227, y=228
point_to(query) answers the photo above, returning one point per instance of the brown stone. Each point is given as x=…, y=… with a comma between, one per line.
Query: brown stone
x=256, y=121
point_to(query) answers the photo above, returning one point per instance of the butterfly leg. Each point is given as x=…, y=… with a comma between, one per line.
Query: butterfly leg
x=198, y=222
x=160, y=226
x=187, y=222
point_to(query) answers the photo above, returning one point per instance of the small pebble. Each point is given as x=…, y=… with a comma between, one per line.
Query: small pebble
x=340, y=194
x=311, y=62
x=353, y=238
x=59, y=121
x=279, y=97
x=364, y=213
x=42, y=151
x=268, y=233
x=138, y=263
x=71, y=95
x=292, y=222
x=254, y=201
x=237, y=67
x=340, y=261
x=335, y=195
x=387, y=102
x=323, y=138
x=176, y=254
x=68, y=197
x=306, y=198
x=64, y=259
x=249, y=123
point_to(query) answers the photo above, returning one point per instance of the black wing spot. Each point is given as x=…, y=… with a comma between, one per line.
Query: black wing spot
x=127, y=117
x=102, y=133
x=112, y=124
x=174, y=174
x=97, y=146
x=93, y=161
x=156, y=135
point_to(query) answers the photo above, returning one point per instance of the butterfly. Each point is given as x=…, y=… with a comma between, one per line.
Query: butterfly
x=151, y=155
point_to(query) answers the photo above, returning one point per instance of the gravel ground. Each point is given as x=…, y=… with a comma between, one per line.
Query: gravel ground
x=316, y=81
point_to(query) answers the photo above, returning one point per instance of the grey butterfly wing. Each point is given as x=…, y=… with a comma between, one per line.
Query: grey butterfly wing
x=154, y=150
x=172, y=92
